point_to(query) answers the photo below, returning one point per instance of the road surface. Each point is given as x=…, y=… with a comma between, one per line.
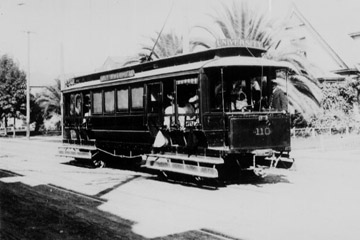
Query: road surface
x=317, y=199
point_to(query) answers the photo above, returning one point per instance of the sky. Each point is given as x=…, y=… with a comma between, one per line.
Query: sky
x=76, y=36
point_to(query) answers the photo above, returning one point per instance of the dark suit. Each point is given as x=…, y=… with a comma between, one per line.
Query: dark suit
x=278, y=100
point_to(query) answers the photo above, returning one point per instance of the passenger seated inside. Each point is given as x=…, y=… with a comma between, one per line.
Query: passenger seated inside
x=193, y=118
x=187, y=108
x=169, y=111
x=182, y=110
x=87, y=106
x=192, y=104
x=194, y=101
x=219, y=92
x=238, y=97
x=255, y=94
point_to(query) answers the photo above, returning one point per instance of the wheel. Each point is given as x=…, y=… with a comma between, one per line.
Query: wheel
x=99, y=163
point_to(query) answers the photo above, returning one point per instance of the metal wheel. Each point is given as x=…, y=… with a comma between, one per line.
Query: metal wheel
x=99, y=163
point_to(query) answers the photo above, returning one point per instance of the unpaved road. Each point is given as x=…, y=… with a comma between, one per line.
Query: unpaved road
x=318, y=199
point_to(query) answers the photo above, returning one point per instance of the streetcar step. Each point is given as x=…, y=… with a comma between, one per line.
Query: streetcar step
x=165, y=164
x=76, y=151
x=200, y=159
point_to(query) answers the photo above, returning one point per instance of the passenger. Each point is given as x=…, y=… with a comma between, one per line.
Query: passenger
x=220, y=90
x=87, y=106
x=194, y=101
x=182, y=111
x=72, y=105
x=255, y=94
x=193, y=119
x=188, y=109
x=78, y=104
x=169, y=111
x=192, y=104
x=160, y=140
x=278, y=99
x=87, y=109
x=238, y=96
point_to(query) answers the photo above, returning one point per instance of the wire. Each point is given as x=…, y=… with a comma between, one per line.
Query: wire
x=152, y=50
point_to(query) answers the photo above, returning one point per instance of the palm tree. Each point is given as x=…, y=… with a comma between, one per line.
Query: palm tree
x=50, y=99
x=239, y=21
x=165, y=45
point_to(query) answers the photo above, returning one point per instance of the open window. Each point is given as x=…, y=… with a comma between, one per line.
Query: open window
x=187, y=99
x=239, y=89
x=78, y=104
x=87, y=104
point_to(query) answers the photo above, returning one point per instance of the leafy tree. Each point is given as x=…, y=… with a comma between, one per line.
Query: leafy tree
x=12, y=89
x=355, y=84
x=239, y=21
x=337, y=105
x=36, y=114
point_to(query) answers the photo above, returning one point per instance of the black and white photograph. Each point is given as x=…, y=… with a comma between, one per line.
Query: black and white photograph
x=179, y=119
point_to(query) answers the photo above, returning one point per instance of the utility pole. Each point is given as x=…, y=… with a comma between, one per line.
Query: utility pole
x=28, y=89
x=62, y=69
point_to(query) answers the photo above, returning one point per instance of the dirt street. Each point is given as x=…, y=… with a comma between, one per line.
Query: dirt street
x=317, y=199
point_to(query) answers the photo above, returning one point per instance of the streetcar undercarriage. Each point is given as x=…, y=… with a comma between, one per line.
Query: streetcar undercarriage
x=221, y=167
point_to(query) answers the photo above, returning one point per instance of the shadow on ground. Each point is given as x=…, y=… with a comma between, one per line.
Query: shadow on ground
x=248, y=177
x=245, y=177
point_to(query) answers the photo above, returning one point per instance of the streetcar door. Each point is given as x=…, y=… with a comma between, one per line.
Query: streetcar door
x=154, y=107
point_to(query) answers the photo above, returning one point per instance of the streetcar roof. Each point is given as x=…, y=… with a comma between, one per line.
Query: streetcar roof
x=247, y=62
x=181, y=70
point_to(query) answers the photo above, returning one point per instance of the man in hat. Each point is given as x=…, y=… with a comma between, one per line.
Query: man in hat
x=278, y=99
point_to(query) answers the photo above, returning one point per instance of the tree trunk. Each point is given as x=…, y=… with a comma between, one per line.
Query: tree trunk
x=14, y=134
x=5, y=126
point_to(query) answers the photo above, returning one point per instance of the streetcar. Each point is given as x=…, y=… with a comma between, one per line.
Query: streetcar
x=204, y=115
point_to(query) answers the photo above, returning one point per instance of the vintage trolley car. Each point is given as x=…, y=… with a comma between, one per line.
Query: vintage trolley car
x=203, y=114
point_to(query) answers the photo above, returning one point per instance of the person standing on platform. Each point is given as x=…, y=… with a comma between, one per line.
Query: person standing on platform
x=278, y=99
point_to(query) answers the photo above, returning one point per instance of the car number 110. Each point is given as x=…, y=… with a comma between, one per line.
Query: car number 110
x=262, y=131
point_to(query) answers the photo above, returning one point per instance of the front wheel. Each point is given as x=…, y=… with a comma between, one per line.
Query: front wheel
x=99, y=164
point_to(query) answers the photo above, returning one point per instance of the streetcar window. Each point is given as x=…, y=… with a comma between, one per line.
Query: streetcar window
x=109, y=101
x=187, y=102
x=237, y=90
x=78, y=104
x=72, y=105
x=122, y=99
x=217, y=95
x=137, y=97
x=97, y=102
x=154, y=97
x=239, y=95
x=87, y=105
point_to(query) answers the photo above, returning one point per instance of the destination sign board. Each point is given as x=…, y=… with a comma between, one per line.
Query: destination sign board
x=229, y=42
x=118, y=75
